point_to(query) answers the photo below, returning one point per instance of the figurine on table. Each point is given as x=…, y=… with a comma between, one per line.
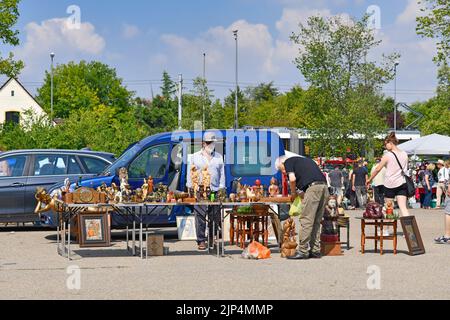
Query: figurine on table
x=258, y=189
x=206, y=179
x=195, y=180
x=289, y=246
x=151, y=185
x=329, y=224
x=274, y=190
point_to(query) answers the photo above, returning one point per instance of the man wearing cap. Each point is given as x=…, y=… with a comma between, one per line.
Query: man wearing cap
x=305, y=176
x=443, y=176
x=208, y=157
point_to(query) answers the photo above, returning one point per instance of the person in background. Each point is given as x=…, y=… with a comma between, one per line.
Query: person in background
x=394, y=182
x=445, y=239
x=208, y=157
x=337, y=183
x=428, y=183
x=359, y=184
x=350, y=193
x=306, y=177
x=442, y=178
x=378, y=183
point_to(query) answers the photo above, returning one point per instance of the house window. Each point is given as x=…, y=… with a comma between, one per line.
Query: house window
x=12, y=93
x=12, y=116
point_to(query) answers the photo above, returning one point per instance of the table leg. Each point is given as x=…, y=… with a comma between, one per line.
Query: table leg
x=348, y=234
x=222, y=228
x=381, y=238
x=58, y=246
x=395, y=237
x=68, y=239
x=133, y=235
x=363, y=236
x=376, y=235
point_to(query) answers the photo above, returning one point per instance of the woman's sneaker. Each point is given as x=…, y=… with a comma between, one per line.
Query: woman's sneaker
x=442, y=240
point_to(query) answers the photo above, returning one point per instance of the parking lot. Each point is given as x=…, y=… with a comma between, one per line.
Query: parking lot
x=31, y=269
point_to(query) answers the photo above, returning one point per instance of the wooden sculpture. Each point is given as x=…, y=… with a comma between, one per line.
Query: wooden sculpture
x=274, y=190
x=44, y=199
x=195, y=180
x=289, y=247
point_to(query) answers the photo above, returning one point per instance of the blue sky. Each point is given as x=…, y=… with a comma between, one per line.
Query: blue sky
x=142, y=38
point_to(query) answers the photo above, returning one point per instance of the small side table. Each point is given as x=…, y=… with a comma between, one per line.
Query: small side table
x=379, y=225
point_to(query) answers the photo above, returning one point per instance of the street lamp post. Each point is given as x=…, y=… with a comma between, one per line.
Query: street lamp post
x=236, y=120
x=395, y=96
x=204, y=90
x=52, y=57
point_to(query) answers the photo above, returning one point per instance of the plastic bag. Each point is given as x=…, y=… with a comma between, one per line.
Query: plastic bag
x=256, y=251
x=296, y=208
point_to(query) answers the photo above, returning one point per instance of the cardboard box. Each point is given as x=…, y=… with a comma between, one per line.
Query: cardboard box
x=155, y=245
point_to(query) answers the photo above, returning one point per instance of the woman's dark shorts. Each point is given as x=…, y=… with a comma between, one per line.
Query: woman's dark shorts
x=399, y=191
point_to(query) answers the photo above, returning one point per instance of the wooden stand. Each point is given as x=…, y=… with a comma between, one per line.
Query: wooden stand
x=380, y=225
x=331, y=249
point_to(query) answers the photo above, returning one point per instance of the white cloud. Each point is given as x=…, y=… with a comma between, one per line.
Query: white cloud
x=57, y=35
x=410, y=13
x=130, y=31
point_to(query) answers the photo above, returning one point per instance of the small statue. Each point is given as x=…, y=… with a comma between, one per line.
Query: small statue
x=161, y=192
x=222, y=195
x=329, y=224
x=206, y=179
x=251, y=196
x=66, y=188
x=274, y=190
x=289, y=246
x=258, y=189
x=103, y=188
x=45, y=199
x=123, y=174
x=243, y=194
x=126, y=191
x=144, y=190
x=195, y=180
x=138, y=195
x=233, y=197
x=389, y=208
x=151, y=185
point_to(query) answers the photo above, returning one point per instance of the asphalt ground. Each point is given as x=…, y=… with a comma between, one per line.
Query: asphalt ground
x=30, y=268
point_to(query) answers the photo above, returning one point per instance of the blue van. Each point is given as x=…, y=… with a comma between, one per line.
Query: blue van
x=248, y=154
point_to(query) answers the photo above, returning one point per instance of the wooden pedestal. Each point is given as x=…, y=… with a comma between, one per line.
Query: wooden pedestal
x=331, y=249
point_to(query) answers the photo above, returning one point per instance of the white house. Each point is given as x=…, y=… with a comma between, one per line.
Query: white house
x=15, y=100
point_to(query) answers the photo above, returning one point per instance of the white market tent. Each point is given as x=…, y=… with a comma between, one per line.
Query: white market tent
x=435, y=144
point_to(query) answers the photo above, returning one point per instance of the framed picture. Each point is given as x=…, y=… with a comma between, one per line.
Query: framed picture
x=412, y=235
x=94, y=230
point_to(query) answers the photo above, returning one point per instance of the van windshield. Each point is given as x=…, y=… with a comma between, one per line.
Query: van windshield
x=123, y=160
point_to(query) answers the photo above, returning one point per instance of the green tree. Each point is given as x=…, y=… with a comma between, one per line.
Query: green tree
x=435, y=24
x=9, y=14
x=262, y=92
x=84, y=86
x=344, y=99
x=169, y=88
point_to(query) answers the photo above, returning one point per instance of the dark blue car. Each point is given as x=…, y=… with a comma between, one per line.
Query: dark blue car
x=23, y=171
x=248, y=154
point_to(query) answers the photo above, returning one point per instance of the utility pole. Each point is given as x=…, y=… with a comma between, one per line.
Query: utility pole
x=180, y=101
x=204, y=90
x=236, y=119
x=52, y=57
x=395, y=96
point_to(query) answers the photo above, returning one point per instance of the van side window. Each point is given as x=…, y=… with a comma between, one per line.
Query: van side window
x=12, y=166
x=152, y=162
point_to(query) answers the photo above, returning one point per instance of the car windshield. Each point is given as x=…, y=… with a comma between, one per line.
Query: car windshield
x=122, y=161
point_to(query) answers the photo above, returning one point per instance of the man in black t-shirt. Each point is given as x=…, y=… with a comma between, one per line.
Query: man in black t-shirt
x=359, y=182
x=305, y=177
